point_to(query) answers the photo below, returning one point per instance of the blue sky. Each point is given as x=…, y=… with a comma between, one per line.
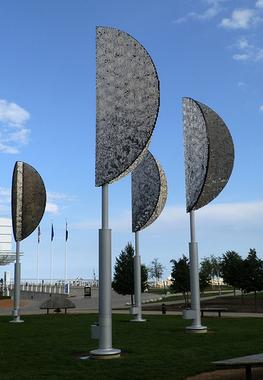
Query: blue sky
x=210, y=50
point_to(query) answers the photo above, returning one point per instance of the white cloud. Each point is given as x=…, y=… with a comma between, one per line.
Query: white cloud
x=20, y=137
x=261, y=107
x=241, y=57
x=218, y=219
x=247, y=51
x=60, y=196
x=214, y=8
x=13, y=114
x=5, y=200
x=8, y=149
x=226, y=215
x=5, y=193
x=120, y=223
x=240, y=19
x=234, y=214
x=13, y=133
x=56, y=201
x=52, y=208
x=259, y=4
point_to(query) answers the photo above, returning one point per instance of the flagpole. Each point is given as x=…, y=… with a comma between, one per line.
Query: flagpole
x=38, y=242
x=38, y=263
x=51, y=255
x=66, y=254
x=66, y=262
x=50, y=269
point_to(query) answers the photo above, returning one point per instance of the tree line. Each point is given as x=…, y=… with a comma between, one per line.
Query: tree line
x=243, y=274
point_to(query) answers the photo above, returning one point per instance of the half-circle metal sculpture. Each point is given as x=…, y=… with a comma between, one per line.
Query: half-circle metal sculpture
x=127, y=103
x=209, y=154
x=209, y=158
x=149, y=192
x=28, y=200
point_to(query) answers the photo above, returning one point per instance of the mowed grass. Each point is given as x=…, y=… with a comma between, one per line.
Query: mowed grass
x=49, y=347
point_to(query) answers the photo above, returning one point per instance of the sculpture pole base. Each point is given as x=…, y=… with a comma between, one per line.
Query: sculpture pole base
x=137, y=282
x=196, y=329
x=16, y=309
x=100, y=353
x=17, y=320
x=196, y=326
x=105, y=350
x=138, y=320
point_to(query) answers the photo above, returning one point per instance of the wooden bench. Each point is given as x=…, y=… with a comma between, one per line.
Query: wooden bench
x=218, y=310
x=246, y=362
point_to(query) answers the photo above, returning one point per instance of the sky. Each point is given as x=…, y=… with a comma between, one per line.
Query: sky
x=209, y=50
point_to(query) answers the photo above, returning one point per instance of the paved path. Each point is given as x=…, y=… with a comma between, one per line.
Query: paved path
x=119, y=304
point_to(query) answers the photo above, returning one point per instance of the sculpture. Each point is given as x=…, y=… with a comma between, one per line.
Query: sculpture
x=127, y=104
x=149, y=194
x=28, y=206
x=209, y=158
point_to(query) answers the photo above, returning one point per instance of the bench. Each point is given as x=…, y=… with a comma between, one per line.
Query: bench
x=218, y=310
x=246, y=362
x=56, y=303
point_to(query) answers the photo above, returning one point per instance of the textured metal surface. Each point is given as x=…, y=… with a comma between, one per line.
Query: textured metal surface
x=28, y=200
x=195, y=151
x=149, y=192
x=209, y=154
x=127, y=103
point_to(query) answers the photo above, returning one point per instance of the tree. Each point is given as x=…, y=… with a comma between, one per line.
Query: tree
x=231, y=267
x=252, y=273
x=123, y=278
x=181, y=277
x=205, y=274
x=216, y=270
x=211, y=266
x=156, y=270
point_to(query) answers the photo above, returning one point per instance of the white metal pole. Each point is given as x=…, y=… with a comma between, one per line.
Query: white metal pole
x=66, y=261
x=194, y=279
x=17, y=280
x=51, y=264
x=38, y=263
x=137, y=281
x=105, y=302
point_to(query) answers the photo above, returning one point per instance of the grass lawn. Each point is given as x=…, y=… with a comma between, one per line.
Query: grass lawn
x=48, y=347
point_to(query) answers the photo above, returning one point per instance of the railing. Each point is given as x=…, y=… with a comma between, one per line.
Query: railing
x=45, y=286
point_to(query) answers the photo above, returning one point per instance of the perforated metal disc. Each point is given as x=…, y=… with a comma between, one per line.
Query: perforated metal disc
x=149, y=192
x=127, y=103
x=209, y=154
x=28, y=200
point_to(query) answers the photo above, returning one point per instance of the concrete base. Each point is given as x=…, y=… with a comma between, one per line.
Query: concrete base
x=18, y=320
x=196, y=330
x=112, y=353
x=138, y=320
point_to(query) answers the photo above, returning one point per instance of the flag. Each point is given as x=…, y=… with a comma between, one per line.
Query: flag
x=38, y=234
x=66, y=231
x=52, y=232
